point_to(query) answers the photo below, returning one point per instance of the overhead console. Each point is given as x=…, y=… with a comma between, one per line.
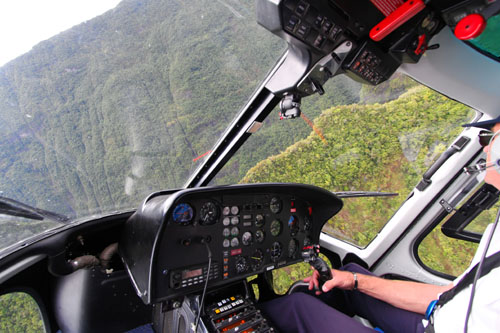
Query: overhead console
x=249, y=229
x=380, y=34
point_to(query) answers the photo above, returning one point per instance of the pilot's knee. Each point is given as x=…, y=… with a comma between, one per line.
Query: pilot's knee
x=353, y=267
x=301, y=299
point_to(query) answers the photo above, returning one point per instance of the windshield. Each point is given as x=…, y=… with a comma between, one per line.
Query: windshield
x=127, y=103
x=354, y=138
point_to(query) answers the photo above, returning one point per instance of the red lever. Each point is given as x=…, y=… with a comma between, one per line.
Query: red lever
x=470, y=27
x=404, y=12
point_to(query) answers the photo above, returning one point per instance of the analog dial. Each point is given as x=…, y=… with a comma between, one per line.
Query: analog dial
x=259, y=220
x=241, y=264
x=183, y=213
x=275, y=228
x=235, y=231
x=256, y=259
x=209, y=213
x=247, y=238
x=293, y=224
x=275, y=205
x=293, y=246
x=259, y=236
x=275, y=251
x=307, y=223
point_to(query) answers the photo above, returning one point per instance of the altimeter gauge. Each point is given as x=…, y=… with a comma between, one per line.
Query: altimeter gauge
x=209, y=213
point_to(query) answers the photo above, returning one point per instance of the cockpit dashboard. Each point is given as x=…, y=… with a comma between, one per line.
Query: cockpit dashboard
x=248, y=229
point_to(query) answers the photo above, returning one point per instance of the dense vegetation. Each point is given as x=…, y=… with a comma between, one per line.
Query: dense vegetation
x=389, y=155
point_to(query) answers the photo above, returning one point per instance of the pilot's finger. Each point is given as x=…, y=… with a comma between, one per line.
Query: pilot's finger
x=329, y=285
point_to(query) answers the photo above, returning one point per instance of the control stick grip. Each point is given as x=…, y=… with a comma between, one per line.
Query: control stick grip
x=324, y=271
x=310, y=254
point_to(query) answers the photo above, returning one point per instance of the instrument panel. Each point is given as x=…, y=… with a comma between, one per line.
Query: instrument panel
x=249, y=229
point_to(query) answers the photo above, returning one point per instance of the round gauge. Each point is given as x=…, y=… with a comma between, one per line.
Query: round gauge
x=247, y=238
x=275, y=228
x=259, y=220
x=235, y=220
x=226, y=210
x=226, y=232
x=293, y=224
x=293, y=246
x=235, y=242
x=209, y=213
x=275, y=205
x=235, y=210
x=226, y=243
x=259, y=236
x=307, y=223
x=275, y=252
x=183, y=213
x=256, y=259
x=226, y=221
x=241, y=264
x=235, y=231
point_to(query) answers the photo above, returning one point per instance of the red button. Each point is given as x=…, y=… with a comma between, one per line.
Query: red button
x=470, y=27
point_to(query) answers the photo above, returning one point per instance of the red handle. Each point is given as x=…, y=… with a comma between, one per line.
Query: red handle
x=404, y=12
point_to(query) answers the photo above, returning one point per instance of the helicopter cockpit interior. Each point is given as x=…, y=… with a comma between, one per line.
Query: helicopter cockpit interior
x=182, y=259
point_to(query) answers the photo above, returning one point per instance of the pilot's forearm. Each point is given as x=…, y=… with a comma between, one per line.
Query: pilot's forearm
x=407, y=295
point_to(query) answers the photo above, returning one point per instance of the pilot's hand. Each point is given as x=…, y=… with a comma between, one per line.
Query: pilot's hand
x=341, y=279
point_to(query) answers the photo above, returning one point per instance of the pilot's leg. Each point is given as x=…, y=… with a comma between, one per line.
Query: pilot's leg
x=303, y=313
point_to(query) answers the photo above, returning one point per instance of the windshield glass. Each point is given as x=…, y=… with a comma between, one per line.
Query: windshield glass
x=127, y=103
x=354, y=138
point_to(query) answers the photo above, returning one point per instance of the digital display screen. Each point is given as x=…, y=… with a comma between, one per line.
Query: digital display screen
x=190, y=274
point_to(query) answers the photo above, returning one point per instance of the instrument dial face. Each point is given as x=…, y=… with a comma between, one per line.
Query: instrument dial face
x=275, y=252
x=226, y=210
x=247, y=238
x=209, y=213
x=235, y=231
x=275, y=205
x=259, y=220
x=293, y=224
x=241, y=264
x=293, y=246
x=275, y=228
x=259, y=236
x=307, y=223
x=256, y=259
x=235, y=210
x=183, y=213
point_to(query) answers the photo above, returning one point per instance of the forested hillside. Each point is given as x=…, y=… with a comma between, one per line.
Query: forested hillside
x=377, y=147
x=149, y=85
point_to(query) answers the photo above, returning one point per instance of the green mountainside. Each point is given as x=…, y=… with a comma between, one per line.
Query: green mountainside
x=149, y=83
x=372, y=149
